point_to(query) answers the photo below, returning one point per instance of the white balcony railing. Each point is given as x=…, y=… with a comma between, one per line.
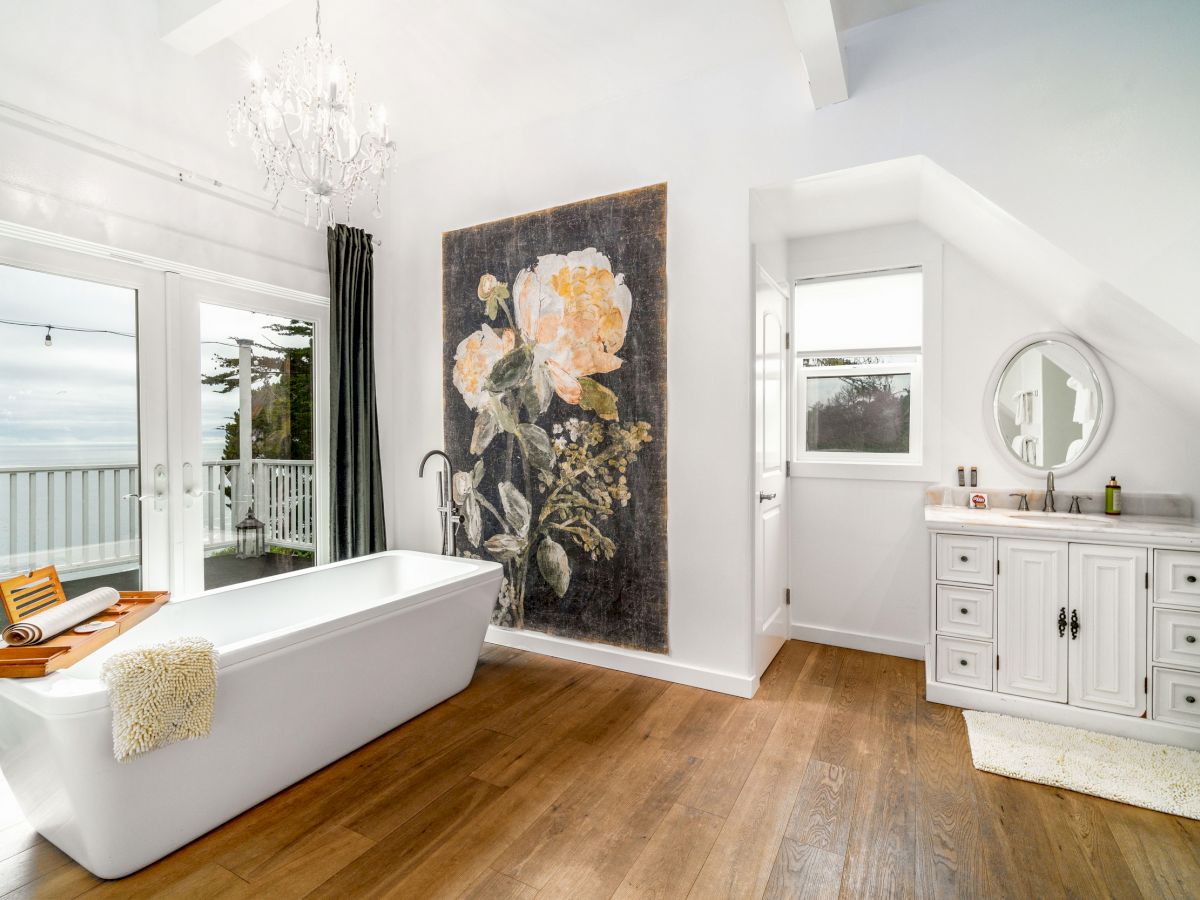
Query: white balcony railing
x=86, y=518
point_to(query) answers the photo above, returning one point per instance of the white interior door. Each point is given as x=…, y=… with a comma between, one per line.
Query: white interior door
x=1108, y=628
x=83, y=452
x=1031, y=637
x=241, y=355
x=771, y=623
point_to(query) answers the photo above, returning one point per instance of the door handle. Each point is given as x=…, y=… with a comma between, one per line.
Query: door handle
x=1062, y=621
x=1074, y=624
x=190, y=491
x=764, y=496
x=159, y=494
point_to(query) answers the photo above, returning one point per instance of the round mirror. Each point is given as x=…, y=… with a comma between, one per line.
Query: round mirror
x=1048, y=404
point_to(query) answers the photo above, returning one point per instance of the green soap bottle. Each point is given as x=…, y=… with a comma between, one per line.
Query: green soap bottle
x=1112, y=497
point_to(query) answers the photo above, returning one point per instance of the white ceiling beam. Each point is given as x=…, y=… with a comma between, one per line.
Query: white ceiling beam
x=195, y=25
x=816, y=34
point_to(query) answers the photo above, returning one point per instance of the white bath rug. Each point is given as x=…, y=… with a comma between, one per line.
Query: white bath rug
x=1154, y=776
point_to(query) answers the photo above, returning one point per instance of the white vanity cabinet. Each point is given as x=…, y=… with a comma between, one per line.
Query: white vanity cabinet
x=1071, y=624
x=1092, y=625
x=1031, y=616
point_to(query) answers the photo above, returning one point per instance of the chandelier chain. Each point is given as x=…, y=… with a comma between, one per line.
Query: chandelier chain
x=318, y=20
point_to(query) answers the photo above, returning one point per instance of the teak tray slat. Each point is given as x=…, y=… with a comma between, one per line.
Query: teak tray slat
x=68, y=648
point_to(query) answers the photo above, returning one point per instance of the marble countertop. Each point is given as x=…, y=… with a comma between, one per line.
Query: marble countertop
x=1126, y=528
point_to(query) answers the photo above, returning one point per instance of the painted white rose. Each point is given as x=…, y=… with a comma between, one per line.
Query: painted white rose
x=474, y=359
x=575, y=312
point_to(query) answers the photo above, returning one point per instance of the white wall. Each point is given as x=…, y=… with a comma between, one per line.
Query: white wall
x=1057, y=113
x=859, y=549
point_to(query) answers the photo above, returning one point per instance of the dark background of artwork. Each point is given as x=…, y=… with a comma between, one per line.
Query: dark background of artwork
x=620, y=601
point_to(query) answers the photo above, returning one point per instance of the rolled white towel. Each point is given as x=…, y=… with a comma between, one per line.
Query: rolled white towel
x=45, y=625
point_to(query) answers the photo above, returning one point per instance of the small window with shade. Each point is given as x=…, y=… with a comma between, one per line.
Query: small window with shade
x=858, y=352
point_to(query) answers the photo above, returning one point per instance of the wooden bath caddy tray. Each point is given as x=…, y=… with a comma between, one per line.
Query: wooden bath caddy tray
x=68, y=648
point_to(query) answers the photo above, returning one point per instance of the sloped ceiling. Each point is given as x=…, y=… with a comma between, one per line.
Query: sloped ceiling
x=916, y=189
x=457, y=70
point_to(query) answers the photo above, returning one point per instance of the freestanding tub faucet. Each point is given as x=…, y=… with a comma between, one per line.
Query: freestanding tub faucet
x=446, y=508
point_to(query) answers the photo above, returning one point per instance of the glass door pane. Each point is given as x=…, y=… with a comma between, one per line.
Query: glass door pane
x=69, y=448
x=259, y=483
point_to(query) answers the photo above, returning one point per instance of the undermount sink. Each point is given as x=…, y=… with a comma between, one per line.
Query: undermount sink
x=1064, y=517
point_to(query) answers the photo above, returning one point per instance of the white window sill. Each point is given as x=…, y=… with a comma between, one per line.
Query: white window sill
x=866, y=471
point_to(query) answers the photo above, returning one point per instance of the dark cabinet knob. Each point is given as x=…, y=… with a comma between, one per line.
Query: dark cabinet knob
x=964, y=612
x=1191, y=579
x=964, y=559
x=1191, y=639
x=1190, y=699
x=963, y=662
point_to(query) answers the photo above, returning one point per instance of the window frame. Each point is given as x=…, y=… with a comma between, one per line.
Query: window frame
x=911, y=368
x=923, y=461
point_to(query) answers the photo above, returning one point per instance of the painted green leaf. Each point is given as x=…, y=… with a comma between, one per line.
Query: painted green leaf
x=486, y=427
x=516, y=508
x=500, y=291
x=537, y=392
x=492, y=307
x=504, y=416
x=504, y=547
x=510, y=370
x=553, y=564
x=596, y=397
x=536, y=445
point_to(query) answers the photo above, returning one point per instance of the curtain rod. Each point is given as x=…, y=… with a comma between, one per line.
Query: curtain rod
x=145, y=162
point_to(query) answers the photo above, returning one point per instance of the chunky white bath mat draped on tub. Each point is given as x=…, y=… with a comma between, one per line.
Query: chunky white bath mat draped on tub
x=1116, y=768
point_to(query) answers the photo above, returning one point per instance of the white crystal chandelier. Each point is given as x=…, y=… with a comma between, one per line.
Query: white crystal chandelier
x=300, y=120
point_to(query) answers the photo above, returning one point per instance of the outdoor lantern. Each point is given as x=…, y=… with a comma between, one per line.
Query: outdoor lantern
x=251, y=537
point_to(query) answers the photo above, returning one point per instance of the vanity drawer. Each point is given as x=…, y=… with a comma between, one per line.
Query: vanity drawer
x=1177, y=637
x=1177, y=697
x=968, y=663
x=965, y=611
x=1177, y=577
x=968, y=558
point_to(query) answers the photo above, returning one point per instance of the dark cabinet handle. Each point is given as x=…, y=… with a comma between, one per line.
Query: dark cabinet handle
x=1074, y=624
x=964, y=612
x=1191, y=639
x=1191, y=579
x=964, y=559
x=1189, y=698
x=1062, y=621
x=963, y=662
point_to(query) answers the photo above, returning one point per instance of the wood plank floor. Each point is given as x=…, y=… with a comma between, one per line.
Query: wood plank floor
x=551, y=779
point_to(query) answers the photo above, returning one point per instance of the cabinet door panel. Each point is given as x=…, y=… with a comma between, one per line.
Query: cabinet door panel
x=1108, y=655
x=1032, y=591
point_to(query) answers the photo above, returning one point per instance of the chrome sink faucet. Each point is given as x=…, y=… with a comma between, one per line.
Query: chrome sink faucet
x=1048, y=503
x=446, y=509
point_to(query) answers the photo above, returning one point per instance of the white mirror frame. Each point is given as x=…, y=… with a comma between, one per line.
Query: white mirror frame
x=1106, y=405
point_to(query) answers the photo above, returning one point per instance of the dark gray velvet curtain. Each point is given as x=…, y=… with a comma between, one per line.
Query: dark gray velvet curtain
x=355, y=485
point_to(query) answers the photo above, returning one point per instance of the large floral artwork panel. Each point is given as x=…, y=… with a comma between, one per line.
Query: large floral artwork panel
x=554, y=387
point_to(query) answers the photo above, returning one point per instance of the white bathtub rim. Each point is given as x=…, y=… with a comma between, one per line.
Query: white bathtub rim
x=64, y=694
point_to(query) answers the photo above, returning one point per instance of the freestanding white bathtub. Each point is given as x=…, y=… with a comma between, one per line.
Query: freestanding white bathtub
x=313, y=665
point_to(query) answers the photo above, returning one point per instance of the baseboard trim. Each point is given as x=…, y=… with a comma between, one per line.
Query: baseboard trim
x=1062, y=714
x=632, y=661
x=854, y=640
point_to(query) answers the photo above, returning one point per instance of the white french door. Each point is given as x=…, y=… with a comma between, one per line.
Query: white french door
x=231, y=349
x=84, y=482
x=123, y=389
